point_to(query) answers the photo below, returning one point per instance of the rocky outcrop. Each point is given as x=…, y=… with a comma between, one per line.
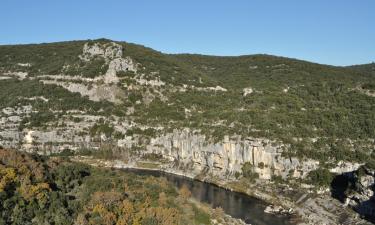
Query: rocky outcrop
x=19, y=75
x=345, y=167
x=272, y=209
x=217, y=88
x=185, y=147
x=107, y=51
x=10, y=119
x=95, y=92
x=117, y=65
x=227, y=157
x=103, y=87
x=360, y=192
x=247, y=91
x=112, y=53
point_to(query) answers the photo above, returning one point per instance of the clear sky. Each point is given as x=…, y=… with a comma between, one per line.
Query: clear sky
x=338, y=32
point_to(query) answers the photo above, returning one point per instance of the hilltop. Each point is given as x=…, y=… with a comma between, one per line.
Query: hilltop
x=256, y=95
x=229, y=118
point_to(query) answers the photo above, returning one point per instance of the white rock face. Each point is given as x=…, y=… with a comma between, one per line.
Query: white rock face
x=217, y=88
x=193, y=150
x=94, y=87
x=117, y=65
x=94, y=92
x=60, y=139
x=107, y=51
x=19, y=110
x=24, y=64
x=112, y=54
x=228, y=156
x=19, y=75
x=28, y=140
x=153, y=83
x=345, y=167
x=185, y=147
x=367, y=181
x=120, y=64
x=247, y=91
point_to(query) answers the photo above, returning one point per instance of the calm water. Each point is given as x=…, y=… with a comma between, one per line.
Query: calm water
x=238, y=205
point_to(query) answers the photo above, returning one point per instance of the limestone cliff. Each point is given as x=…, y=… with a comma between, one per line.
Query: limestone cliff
x=185, y=147
x=227, y=156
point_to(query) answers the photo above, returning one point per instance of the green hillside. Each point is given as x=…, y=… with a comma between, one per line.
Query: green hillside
x=321, y=111
x=369, y=68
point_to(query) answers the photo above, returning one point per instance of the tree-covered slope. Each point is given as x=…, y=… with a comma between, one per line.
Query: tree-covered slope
x=319, y=111
x=41, y=190
x=369, y=68
x=242, y=119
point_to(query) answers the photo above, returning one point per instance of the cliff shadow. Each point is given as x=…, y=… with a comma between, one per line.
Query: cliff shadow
x=341, y=184
x=344, y=185
x=367, y=210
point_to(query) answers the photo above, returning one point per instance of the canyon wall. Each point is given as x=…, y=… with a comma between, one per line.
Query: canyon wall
x=186, y=147
x=228, y=155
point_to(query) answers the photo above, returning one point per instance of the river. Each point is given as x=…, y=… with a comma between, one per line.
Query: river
x=237, y=205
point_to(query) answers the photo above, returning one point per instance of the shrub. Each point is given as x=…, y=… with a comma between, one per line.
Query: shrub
x=248, y=171
x=320, y=177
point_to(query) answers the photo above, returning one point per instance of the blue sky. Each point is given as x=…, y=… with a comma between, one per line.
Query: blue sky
x=338, y=32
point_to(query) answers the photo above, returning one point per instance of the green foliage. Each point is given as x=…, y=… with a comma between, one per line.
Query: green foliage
x=201, y=217
x=56, y=191
x=48, y=59
x=371, y=163
x=248, y=171
x=64, y=153
x=134, y=97
x=153, y=157
x=321, y=102
x=364, y=68
x=169, y=68
x=15, y=93
x=53, y=58
x=291, y=100
x=150, y=132
x=39, y=119
x=277, y=179
x=123, y=74
x=106, y=152
x=90, y=69
x=370, y=86
x=320, y=177
x=102, y=128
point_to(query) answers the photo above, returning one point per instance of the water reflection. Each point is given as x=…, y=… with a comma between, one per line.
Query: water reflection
x=238, y=205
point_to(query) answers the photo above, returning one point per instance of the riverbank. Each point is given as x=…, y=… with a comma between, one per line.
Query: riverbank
x=307, y=207
x=218, y=216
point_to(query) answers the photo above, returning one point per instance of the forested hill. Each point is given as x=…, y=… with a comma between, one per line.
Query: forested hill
x=367, y=68
x=243, y=121
x=320, y=111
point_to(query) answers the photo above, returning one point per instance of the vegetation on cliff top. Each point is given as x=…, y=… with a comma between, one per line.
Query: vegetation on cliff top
x=322, y=112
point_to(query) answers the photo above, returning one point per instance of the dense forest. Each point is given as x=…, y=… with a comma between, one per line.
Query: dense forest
x=52, y=190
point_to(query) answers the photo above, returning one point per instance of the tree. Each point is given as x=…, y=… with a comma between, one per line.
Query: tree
x=320, y=177
x=162, y=199
x=184, y=192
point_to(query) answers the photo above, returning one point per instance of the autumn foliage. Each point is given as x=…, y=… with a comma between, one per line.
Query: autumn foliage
x=43, y=190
